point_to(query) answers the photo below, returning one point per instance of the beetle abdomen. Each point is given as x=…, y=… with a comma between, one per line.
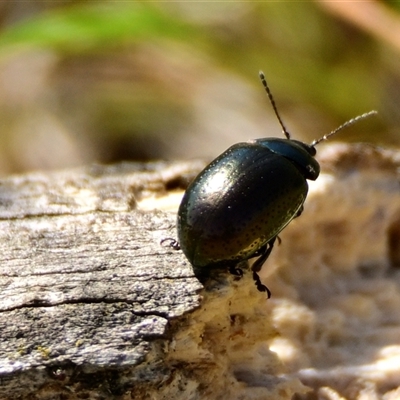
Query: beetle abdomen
x=237, y=204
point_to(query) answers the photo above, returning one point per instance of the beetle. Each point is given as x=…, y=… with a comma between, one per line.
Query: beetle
x=236, y=207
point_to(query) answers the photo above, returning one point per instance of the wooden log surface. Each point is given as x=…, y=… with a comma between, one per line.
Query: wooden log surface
x=92, y=306
x=85, y=283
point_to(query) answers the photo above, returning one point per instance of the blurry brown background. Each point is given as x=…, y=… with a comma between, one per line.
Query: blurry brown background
x=86, y=81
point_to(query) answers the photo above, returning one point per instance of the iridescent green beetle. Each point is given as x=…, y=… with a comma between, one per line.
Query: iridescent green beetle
x=236, y=207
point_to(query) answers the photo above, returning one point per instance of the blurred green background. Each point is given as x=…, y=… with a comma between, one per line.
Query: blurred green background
x=90, y=81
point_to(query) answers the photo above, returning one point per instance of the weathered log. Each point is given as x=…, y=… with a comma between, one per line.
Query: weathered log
x=86, y=288
x=92, y=306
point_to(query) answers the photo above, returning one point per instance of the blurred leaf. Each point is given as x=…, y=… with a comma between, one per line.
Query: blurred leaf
x=393, y=3
x=79, y=28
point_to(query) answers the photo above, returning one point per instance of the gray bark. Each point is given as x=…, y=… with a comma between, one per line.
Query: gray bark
x=85, y=285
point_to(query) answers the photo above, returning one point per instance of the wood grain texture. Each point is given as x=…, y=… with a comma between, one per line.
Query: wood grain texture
x=84, y=281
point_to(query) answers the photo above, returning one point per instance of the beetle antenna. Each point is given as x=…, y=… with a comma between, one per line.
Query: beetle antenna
x=272, y=101
x=345, y=125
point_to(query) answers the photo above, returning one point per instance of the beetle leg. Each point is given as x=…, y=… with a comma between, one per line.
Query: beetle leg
x=299, y=212
x=260, y=286
x=173, y=243
x=235, y=271
x=265, y=252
